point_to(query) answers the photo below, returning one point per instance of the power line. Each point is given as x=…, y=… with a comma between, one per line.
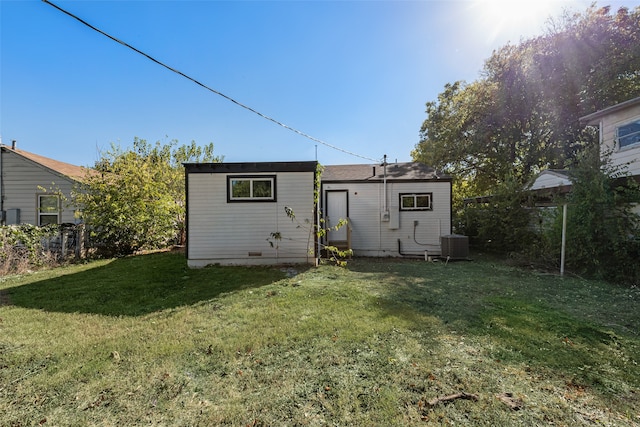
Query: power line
x=228, y=98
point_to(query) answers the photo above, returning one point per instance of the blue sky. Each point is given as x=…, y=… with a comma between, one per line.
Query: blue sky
x=354, y=74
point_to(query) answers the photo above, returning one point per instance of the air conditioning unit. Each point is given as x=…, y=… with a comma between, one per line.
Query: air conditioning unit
x=454, y=246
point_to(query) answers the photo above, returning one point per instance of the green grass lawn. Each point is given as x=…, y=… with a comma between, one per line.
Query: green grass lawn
x=146, y=341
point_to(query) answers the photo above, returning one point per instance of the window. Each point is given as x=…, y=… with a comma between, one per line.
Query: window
x=415, y=202
x=48, y=209
x=251, y=188
x=628, y=134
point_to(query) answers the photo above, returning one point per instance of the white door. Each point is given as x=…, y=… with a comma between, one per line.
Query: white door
x=337, y=209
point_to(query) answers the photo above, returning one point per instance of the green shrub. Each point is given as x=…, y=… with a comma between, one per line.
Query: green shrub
x=504, y=223
x=22, y=247
x=603, y=233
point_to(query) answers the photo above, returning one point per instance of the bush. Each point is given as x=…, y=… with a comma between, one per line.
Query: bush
x=22, y=248
x=603, y=232
x=504, y=223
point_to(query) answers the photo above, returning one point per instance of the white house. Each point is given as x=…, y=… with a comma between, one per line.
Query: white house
x=33, y=188
x=236, y=213
x=393, y=210
x=619, y=130
x=550, y=179
x=236, y=210
x=619, y=137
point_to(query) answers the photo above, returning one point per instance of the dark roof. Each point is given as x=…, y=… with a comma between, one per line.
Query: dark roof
x=77, y=173
x=251, y=167
x=410, y=171
x=594, y=118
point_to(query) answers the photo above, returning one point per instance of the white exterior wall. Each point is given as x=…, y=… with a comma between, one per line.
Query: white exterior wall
x=370, y=236
x=235, y=233
x=548, y=179
x=608, y=125
x=21, y=182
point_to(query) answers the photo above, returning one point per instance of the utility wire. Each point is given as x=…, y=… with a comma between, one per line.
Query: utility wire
x=228, y=98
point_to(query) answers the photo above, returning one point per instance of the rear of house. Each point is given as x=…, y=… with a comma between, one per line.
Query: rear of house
x=236, y=213
x=393, y=210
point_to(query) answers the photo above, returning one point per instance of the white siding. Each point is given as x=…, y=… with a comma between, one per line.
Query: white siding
x=235, y=233
x=22, y=181
x=608, y=126
x=370, y=236
x=548, y=179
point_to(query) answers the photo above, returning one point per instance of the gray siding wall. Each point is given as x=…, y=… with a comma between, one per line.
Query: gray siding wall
x=21, y=182
x=235, y=233
x=608, y=126
x=370, y=236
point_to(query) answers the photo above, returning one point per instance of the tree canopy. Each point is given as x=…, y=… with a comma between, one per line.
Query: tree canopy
x=136, y=200
x=522, y=114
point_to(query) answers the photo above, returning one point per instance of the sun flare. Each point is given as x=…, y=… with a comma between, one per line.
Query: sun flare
x=514, y=19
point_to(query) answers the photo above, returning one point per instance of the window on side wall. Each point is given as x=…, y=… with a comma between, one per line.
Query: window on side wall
x=251, y=188
x=48, y=209
x=628, y=134
x=416, y=202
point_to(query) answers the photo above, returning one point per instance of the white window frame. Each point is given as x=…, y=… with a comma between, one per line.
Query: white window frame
x=231, y=179
x=414, y=197
x=634, y=136
x=42, y=214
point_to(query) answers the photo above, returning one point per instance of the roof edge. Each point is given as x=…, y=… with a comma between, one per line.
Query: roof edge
x=251, y=167
x=594, y=118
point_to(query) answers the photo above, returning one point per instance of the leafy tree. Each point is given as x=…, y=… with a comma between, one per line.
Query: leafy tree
x=603, y=231
x=135, y=198
x=522, y=115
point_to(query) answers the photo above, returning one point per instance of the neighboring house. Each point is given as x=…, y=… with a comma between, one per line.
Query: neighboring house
x=619, y=128
x=400, y=209
x=33, y=188
x=236, y=213
x=552, y=179
x=234, y=210
x=619, y=136
x=550, y=183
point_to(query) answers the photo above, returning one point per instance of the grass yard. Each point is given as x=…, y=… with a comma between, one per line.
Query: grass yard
x=145, y=341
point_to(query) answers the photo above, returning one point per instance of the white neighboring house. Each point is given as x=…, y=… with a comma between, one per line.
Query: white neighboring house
x=619, y=136
x=235, y=209
x=552, y=179
x=619, y=129
x=400, y=209
x=32, y=188
x=550, y=183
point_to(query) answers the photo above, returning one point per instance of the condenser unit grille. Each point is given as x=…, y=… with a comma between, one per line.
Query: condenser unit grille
x=454, y=246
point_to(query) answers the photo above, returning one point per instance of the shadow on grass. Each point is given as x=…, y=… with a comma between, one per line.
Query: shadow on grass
x=138, y=285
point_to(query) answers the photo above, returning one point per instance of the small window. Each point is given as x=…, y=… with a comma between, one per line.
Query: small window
x=48, y=209
x=628, y=134
x=415, y=202
x=258, y=188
